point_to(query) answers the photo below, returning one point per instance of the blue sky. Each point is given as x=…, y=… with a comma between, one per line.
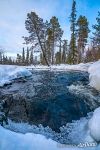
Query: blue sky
x=14, y=12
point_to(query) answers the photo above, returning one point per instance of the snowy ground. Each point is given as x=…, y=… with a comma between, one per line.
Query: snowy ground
x=30, y=141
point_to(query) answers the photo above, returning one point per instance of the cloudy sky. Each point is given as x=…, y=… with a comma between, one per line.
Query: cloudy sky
x=14, y=12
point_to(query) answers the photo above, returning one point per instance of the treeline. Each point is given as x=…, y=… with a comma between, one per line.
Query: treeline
x=47, y=36
x=26, y=58
x=6, y=60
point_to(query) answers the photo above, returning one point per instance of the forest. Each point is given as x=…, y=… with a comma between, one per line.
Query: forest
x=46, y=37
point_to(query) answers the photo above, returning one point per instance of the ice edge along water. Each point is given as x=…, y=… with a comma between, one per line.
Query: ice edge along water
x=31, y=141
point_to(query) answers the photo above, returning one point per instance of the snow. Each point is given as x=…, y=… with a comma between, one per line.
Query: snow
x=62, y=67
x=9, y=73
x=94, y=125
x=78, y=67
x=66, y=135
x=94, y=71
x=29, y=141
x=32, y=141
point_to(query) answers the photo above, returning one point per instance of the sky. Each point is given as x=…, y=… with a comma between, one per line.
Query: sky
x=13, y=14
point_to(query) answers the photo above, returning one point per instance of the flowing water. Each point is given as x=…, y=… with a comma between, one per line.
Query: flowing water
x=50, y=98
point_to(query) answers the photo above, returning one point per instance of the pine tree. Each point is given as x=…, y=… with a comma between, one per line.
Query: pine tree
x=73, y=49
x=47, y=44
x=83, y=31
x=37, y=30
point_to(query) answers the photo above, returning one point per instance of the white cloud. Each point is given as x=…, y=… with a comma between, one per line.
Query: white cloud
x=14, y=12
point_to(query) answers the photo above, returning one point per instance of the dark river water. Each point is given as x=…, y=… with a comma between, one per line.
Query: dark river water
x=49, y=98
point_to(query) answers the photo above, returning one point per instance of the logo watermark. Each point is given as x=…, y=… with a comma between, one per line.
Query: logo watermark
x=80, y=145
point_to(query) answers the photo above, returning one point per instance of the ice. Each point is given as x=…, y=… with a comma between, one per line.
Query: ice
x=9, y=73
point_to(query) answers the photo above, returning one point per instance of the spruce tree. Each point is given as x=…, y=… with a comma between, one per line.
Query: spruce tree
x=0, y=57
x=19, y=59
x=73, y=49
x=96, y=34
x=23, y=56
x=10, y=62
x=27, y=56
x=57, y=58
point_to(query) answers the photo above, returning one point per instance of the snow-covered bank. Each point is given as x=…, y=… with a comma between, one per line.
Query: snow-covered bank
x=16, y=141
x=30, y=141
x=9, y=73
x=94, y=71
x=62, y=67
